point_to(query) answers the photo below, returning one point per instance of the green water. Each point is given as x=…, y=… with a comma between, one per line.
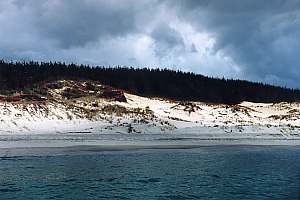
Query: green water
x=240, y=172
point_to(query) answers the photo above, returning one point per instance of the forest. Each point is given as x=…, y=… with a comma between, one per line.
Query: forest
x=164, y=83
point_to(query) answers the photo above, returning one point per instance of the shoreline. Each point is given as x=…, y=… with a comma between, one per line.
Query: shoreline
x=15, y=152
x=149, y=141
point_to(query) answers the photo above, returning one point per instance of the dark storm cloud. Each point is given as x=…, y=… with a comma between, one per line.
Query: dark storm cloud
x=252, y=39
x=77, y=22
x=166, y=38
x=262, y=37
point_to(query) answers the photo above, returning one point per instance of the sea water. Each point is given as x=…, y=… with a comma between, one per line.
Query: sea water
x=216, y=172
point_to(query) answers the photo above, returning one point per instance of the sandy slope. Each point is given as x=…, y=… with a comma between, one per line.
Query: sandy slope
x=145, y=115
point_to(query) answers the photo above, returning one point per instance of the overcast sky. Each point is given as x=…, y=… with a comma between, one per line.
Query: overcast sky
x=251, y=39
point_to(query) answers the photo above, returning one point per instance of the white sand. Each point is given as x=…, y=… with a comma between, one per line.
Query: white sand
x=245, y=121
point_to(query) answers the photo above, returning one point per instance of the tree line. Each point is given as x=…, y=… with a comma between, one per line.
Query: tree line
x=165, y=83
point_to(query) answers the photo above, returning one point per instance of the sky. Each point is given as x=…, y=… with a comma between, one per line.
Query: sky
x=257, y=40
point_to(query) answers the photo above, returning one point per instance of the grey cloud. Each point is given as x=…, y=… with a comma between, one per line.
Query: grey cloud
x=260, y=37
x=77, y=22
x=193, y=48
x=166, y=39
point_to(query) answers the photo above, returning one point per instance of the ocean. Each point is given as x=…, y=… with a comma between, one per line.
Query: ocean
x=211, y=172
